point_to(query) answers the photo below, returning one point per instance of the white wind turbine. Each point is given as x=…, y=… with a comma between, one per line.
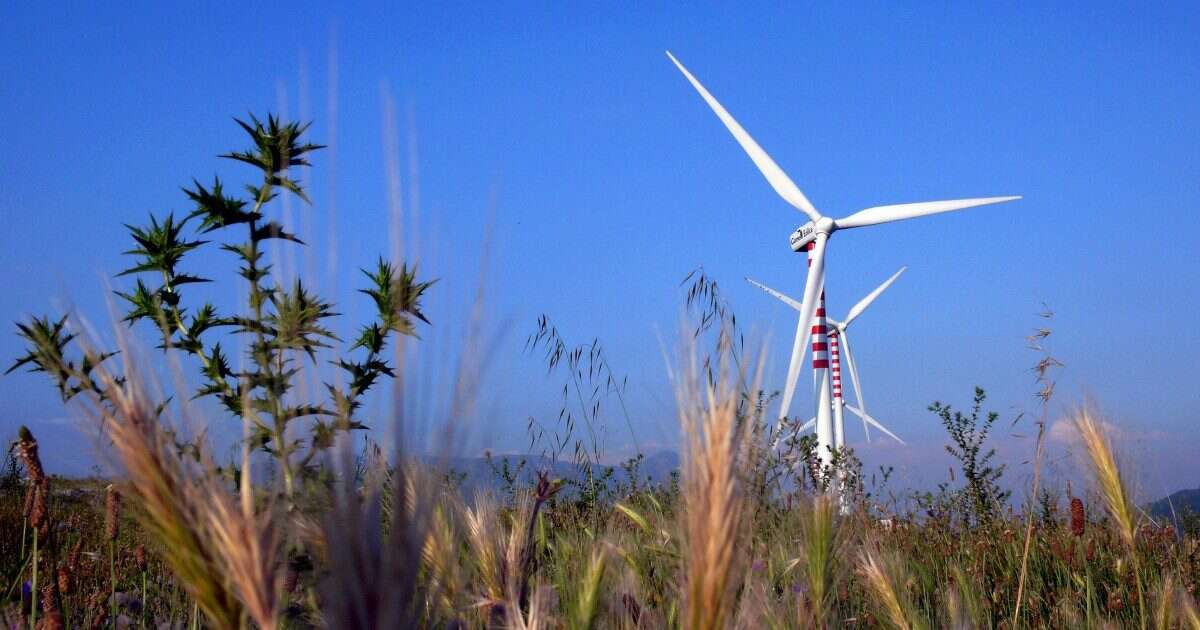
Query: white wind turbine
x=816, y=233
x=838, y=331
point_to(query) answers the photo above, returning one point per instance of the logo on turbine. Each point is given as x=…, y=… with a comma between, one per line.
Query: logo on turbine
x=803, y=236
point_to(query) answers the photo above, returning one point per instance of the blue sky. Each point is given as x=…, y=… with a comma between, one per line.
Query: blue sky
x=562, y=142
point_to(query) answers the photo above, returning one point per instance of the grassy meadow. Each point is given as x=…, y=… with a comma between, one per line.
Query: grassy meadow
x=401, y=547
x=751, y=532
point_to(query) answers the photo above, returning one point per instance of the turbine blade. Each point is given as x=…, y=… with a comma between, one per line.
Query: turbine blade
x=900, y=212
x=812, y=289
x=812, y=422
x=865, y=302
x=799, y=347
x=875, y=423
x=783, y=298
x=858, y=393
x=770, y=170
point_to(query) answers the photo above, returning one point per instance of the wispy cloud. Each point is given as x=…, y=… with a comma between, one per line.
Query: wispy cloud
x=1063, y=431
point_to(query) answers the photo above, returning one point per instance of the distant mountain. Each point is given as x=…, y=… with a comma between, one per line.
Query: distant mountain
x=1176, y=504
x=481, y=474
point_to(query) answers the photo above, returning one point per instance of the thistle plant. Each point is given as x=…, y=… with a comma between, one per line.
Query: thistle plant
x=285, y=323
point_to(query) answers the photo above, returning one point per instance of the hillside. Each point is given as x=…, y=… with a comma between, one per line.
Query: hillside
x=1184, y=501
x=480, y=474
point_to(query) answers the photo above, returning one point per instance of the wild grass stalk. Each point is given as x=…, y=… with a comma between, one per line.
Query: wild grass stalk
x=1189, y=617
x=1042, y=369
x=440, y=556
x=34, y=582
x=139, y=556
x=173, y=500
x=964, y=610
x=587, y=599
x=716, y=513
x=112, y=507
x=374, y=563
x=821, y=547
x=886, y=579
x=1113, y=489
x=38, y=513
x=1037, y=477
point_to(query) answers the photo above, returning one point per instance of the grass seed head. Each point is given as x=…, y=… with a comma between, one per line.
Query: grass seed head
x=53, y=618
x=1078, y=517
x=1107, y=474
x=39, y=514
x=27, y=448
x=112, y=508
x=30, y=492
x=66, y=580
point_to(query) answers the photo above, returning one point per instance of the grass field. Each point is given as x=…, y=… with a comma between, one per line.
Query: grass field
x=399, y=547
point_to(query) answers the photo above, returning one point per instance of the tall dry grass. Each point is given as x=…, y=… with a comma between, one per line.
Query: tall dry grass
x=887, y=580
x=178, y=505
x=1110, y=481
x=397, y=546
x=1109, y=478
x=716, y=513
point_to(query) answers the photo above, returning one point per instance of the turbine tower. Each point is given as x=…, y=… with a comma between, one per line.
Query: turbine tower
x=839, y=336
x=839, y=339
x=816, y=233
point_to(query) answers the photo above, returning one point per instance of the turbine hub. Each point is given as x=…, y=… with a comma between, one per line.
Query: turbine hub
x=825, y=225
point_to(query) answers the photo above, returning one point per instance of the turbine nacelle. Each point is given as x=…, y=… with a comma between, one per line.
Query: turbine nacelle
x=808, y=232
x=803, y=235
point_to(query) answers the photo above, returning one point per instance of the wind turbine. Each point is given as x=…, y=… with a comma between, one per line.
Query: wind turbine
x=813, y=236
x=838, y=335
x=838, y=331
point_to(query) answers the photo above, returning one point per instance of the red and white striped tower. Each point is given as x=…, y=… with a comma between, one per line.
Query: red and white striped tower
x=839, y=436
x=835, y=371
x=820, y=363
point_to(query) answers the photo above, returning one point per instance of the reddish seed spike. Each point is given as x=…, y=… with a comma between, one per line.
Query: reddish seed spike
x=112, y=506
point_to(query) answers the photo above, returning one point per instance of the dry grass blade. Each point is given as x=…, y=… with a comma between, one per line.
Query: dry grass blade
x=374, y=562
x=1113, y=489
x=1107, y=474
x=249, y=546
x=967, y=609
x=1164, y=603
x=440, y=556
x=486, y=545
x=887, y=580
x=1188, y=616
x=173, y=508
x=716, y=515
x=515, y=567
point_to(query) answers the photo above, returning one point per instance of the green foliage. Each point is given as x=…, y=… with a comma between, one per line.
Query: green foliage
x=397, y=294
x=283, y=324
x=47, y=342
x=276, y=149
x=980, y=498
